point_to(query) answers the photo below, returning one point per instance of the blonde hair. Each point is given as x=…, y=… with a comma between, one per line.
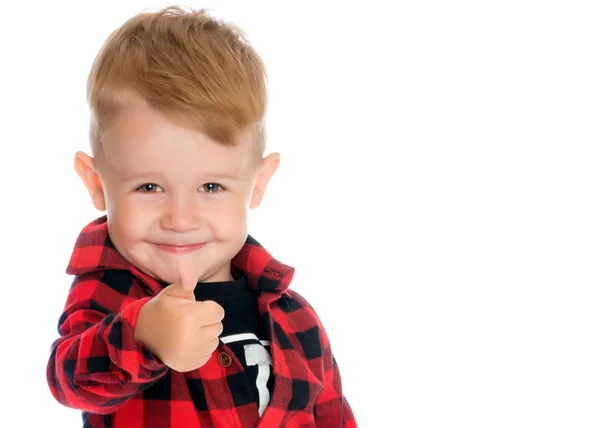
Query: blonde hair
x=199, y=71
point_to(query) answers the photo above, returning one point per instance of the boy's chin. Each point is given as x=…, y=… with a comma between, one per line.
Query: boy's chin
x=165, y=277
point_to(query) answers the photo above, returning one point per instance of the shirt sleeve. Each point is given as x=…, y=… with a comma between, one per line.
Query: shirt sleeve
x=96, y=364
x=332, y=408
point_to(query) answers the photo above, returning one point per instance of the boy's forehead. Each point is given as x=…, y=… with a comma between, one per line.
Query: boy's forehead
x=140, y=138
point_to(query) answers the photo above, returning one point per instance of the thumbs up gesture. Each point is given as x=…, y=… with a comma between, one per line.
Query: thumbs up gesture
x=180, y=331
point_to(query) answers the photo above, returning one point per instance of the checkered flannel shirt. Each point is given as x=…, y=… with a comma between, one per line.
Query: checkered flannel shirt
x=98, y=367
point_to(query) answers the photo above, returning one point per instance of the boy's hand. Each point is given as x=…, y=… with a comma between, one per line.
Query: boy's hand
x=180, y=331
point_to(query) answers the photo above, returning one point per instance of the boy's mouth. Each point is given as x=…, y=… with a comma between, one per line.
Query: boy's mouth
x=180, y=248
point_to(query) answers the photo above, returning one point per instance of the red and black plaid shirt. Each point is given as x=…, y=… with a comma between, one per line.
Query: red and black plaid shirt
x=97, y=366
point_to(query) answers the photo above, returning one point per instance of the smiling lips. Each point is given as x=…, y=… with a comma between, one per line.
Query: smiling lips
x=180, y=248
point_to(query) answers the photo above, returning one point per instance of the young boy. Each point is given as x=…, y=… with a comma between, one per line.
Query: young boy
x=176, y=316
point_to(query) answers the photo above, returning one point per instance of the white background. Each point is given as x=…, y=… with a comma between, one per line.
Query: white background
x=438, y=195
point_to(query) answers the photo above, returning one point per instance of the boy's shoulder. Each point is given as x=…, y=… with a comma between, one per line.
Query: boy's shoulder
x=95, y=261
x=94, y=251
x=292, y=301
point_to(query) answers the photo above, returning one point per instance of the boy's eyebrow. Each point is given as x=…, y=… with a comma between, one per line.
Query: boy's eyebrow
x=134, y=176
x=231, y=176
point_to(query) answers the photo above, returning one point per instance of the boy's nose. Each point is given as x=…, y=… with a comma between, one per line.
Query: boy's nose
x=180, y=216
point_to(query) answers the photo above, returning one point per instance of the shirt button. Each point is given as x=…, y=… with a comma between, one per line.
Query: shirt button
x=224, y=359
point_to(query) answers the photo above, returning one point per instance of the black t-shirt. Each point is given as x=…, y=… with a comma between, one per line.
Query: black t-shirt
x=244, y=333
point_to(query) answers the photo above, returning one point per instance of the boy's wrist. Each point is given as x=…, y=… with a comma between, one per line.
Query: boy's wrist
x=140, y=331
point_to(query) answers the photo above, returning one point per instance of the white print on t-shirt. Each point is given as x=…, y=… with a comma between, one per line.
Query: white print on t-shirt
x=256, y=355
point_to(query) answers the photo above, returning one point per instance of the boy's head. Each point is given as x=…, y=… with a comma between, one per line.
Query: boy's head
x=177, y=102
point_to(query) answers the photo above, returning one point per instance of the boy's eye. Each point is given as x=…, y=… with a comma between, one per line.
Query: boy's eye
x=211, y=187
x=148, y=188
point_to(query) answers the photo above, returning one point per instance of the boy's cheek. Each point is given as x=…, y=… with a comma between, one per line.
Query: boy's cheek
x=231, y=217
x=127, y=217
x=128, y=207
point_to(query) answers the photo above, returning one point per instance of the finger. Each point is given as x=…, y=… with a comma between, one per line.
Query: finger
x=186, y=283
x=209, y=312
x=209, y=333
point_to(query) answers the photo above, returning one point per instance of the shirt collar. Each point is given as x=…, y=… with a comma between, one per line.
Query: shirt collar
x=94, y=251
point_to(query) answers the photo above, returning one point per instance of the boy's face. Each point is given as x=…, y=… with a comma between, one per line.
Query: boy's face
x=173, y=193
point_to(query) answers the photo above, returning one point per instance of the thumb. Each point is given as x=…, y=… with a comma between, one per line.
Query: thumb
x=185, y=285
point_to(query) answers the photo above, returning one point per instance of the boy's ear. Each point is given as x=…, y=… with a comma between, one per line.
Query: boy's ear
x=86, y=169
x=267, y=167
